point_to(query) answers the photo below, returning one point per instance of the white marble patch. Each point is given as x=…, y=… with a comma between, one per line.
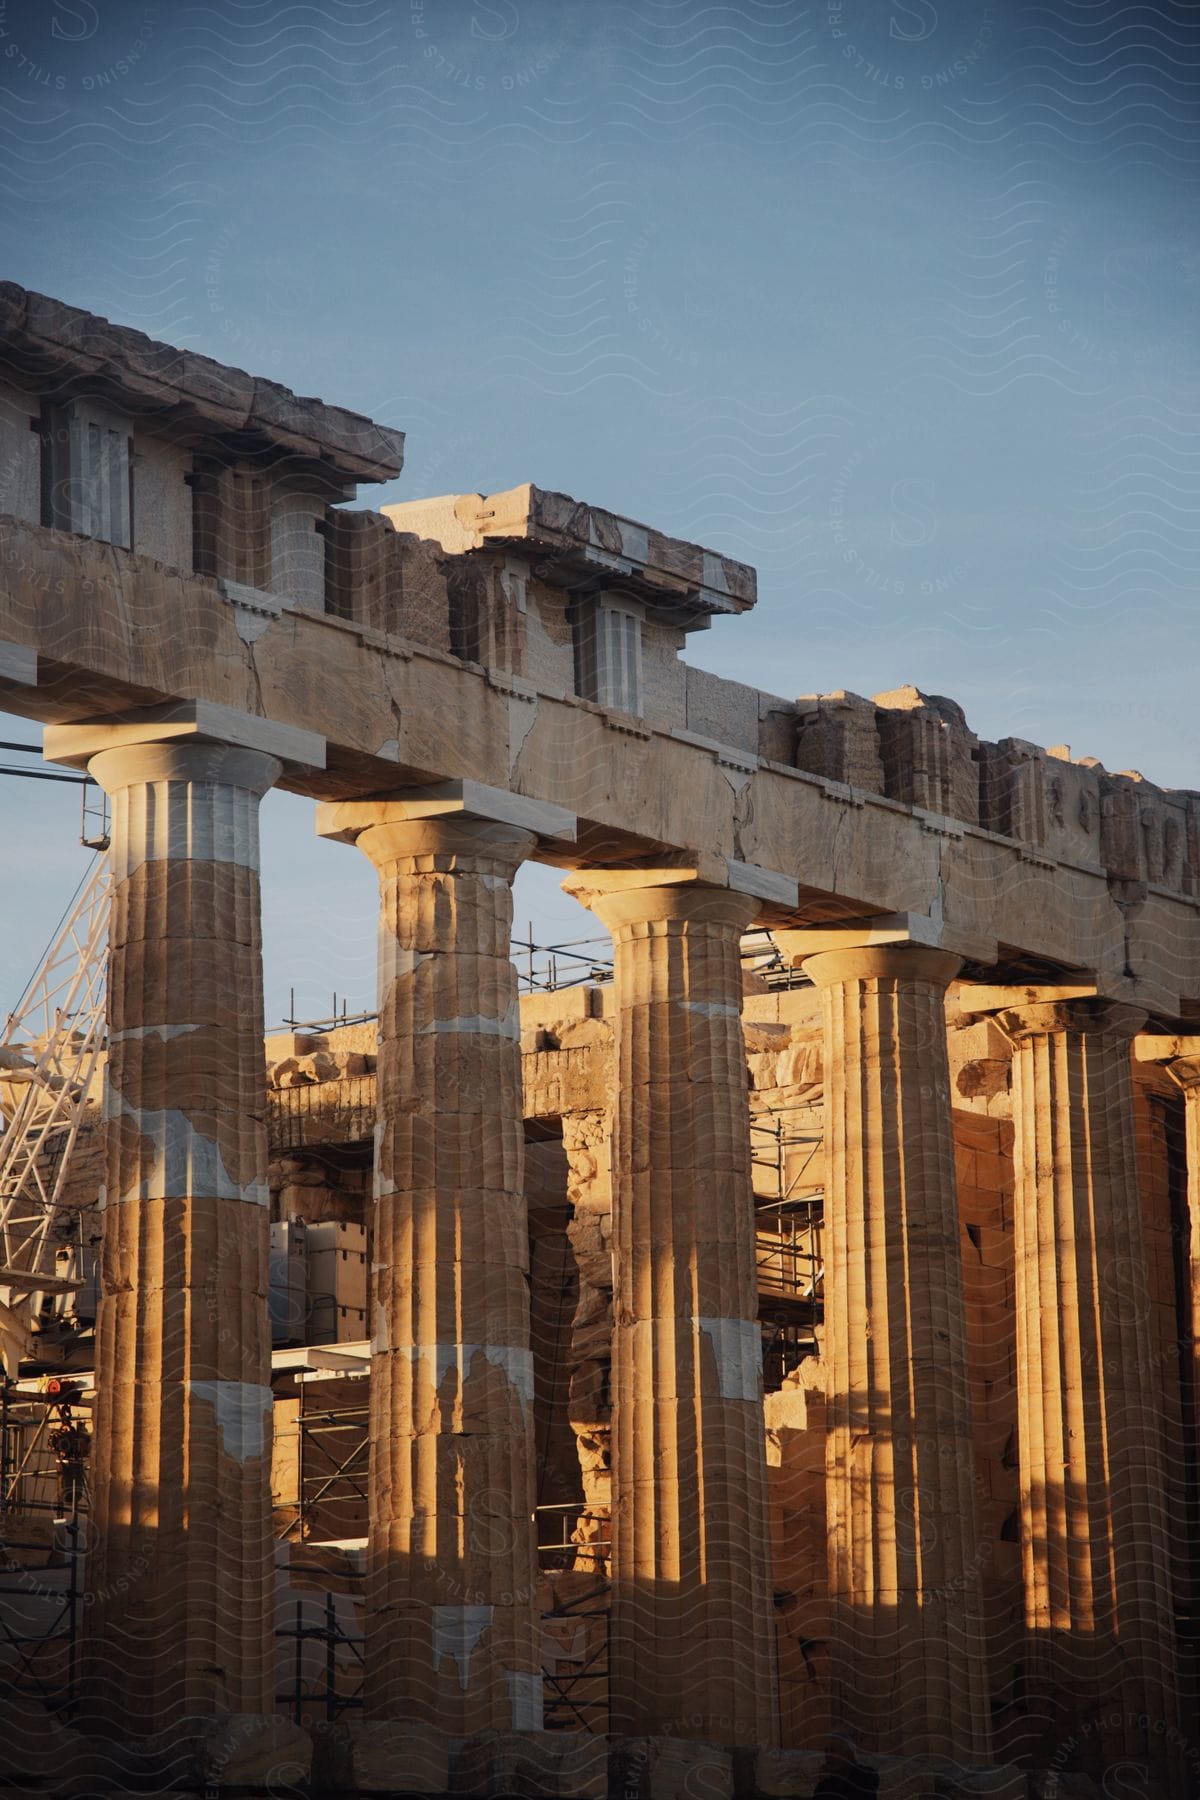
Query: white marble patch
x=396, y=960
x=635, y=542
x=526, y=1696
x=242, y=1409
x=737, y=1347
x=515, y=1363
x=167, y=1033
x=456, y=1633
x=479, y=1025
x=714, y=576
x=186, y=1162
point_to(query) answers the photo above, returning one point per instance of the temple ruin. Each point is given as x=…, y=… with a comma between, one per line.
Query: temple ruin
x=766, y=1344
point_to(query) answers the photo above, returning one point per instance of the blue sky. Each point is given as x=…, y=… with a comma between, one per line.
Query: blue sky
x=895, y=301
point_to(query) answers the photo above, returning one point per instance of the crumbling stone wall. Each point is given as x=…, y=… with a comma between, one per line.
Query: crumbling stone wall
x=918, y=749
x=321, y=1121
x=587, y=1142
x=567, y=1045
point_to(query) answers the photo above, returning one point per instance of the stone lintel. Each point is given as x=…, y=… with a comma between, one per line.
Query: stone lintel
x=705, y=869
x=980, y=999
x=182, y=721
x=18, y=663
x=344, y=820
x=1149, y=1047
x=1179, y=1055
x=918, y=929
x=763, y=884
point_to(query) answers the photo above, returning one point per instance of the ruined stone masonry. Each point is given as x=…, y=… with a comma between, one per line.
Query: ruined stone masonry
x=775, y=1352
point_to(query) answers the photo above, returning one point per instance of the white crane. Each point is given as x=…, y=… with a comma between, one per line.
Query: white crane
x=49, y=1057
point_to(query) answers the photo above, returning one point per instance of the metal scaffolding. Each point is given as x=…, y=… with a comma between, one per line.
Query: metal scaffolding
x=577, y=1697
x=577, y=962
x=789, y=1244
x=336, y=1686
x=40, y=1609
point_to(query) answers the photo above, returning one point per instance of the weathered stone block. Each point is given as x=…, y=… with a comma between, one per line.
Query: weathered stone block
x=837, y=737
x=928, y=753
x=725, y=711
x=1002, y=1783
x=380, y=1757
x=41, y=1754
x=669, y=1768
x=1061, y=1784
x=556, y=1765
x=777, y=1774
x=932, y=1778
x=1012, y=789
x=236, y=1752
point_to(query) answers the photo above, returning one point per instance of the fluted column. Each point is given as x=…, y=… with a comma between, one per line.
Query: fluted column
x=1186, y=1072
x=180, y=1573
x=907, y=1658
x=452, y=1634
x=693, y=1633
x=1184, y=1069
x=1094, y=1532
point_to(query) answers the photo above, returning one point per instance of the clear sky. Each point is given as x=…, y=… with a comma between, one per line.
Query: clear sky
x=896, y=301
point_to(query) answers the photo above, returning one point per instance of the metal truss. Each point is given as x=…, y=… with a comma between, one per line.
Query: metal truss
x=49, y=1056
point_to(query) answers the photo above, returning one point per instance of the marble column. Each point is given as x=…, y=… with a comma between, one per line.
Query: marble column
x=1181, y=1058
x=693, y=1633
x=1183, y=1065
x=1094, y=1529
x=180, y=1573
x=452, y=1632
x=908, y=1669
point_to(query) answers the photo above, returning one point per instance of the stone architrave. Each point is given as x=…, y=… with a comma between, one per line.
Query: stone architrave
x=1181, y=1056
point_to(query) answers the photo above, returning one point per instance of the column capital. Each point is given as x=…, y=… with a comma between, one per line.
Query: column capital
x=621, y=898
x=227, y=765
x=1180, y=1056
x=881, y=962
x=1084, y=1016
x=455, y=844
